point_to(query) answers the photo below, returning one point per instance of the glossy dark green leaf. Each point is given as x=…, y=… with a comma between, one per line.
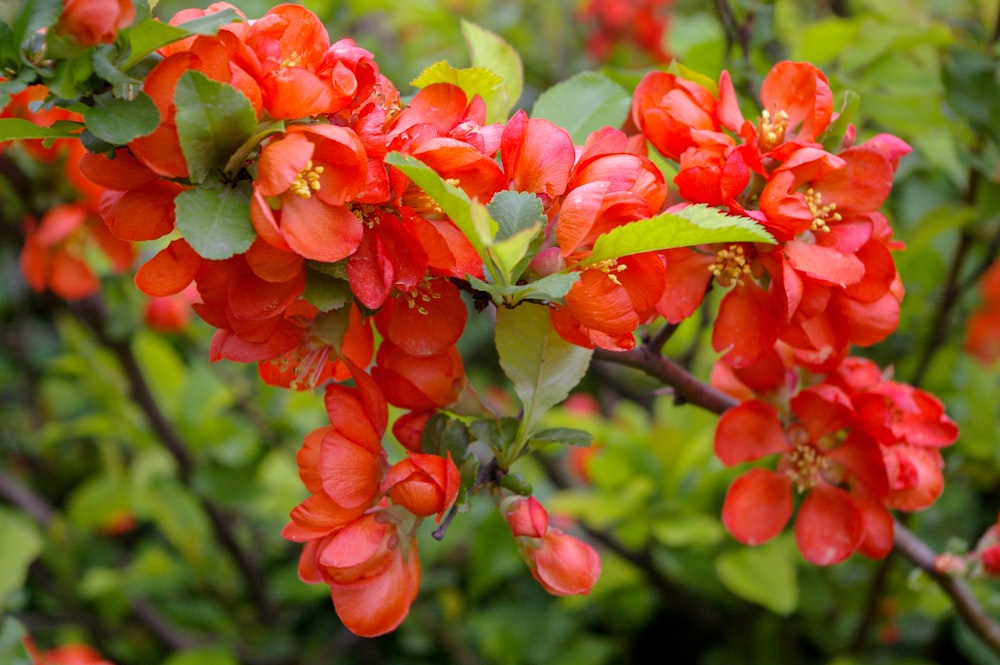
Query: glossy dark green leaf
x=216, y=222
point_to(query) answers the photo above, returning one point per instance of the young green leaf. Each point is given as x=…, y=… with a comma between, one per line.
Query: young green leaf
x=515, y=211
x=693, y=225
x=510, y=255
x=834, y=134
x=584, y=103
x=542, y=365
x=118, y=121
x=491, y=52
x=474, y=81
x=568, y=436
x=216, y=222
x=326, y=292
x=453, y=201
x=213, y=120
x=551, y=288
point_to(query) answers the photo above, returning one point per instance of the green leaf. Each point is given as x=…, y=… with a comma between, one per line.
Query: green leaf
x=206, y=656
x=326, y=292
x=693, y=225
x=12, y=129
x=584, y=103
x=216, y=222
x=474, y=81
x=568, y=436
x=688, y=530
x=512, y=255
x=21, y=545
x=118, y=121
x=149, y=34
x=542, y=365
x=491, y=52
x=765, y=575
x=834, y=134
x=550, y=288
x=453, y=201
x=213, y=120
x=515, y=211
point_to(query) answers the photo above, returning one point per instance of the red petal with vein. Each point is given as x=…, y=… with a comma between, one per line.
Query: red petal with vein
x=251, y=298
x=823, y=409
x=915, y=479
x=686, y=280
x=758, y=505
x=351, y=473
x=121, y=173
x=169, y=271
x=425, y=321
x=379, y=607
x=802, y=91
x=424, y=383
x=292, y=92
x=870, y=323
x=71, y=278
x=318, y=516
x=281, y=339
x=862, y=456
x=824, y=263
x=146, y=213
x=749, y=432
x=359, y=542
x=578, y=214
x=272, y=264
x=746, y=326
x=879, y=527
x=350, y=418
x=537, y=155
x=880, y=271
x=829, y=527
x=600, y=304
x=318, y=231
x=308, y=458
x=565, y=565
x=281, y=162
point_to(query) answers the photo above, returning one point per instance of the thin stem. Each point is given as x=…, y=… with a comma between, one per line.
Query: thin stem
x=922, y=556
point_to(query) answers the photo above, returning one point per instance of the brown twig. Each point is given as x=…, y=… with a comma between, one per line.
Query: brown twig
x=966, y=604
x=690, y=389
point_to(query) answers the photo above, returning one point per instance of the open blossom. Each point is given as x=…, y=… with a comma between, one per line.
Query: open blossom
x=424, y=484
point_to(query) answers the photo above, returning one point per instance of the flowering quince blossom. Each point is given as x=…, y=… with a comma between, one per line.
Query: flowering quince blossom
x=68, y=654
x=982, y=338
x=562, y=564
x=344, y=275
x=856, y=444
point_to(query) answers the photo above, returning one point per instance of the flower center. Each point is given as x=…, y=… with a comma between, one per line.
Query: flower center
x=418, y=297
x=307, y=181
x=292, y=60
x=611, y=268
x=805, y=466
x=730, y=265
x=821, y=213
x=772, y=129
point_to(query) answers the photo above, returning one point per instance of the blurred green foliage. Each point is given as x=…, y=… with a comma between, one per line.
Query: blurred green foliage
x=153, y=561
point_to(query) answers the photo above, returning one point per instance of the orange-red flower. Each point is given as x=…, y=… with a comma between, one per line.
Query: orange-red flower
x=92, y=22
x=423, y=484
x=306, y=179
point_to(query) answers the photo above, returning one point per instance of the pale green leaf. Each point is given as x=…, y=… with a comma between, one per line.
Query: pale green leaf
x=507, y=254
x=491, y=52
x=693, y=225
x=542, y=366
x=584, y=103
x=473, y=81
x=453, y=201
x=765, y=575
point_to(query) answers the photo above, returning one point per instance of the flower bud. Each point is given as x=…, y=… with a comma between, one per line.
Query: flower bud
x=423, y=484
x=526, y=517
x=92, y=22
x=564, y=565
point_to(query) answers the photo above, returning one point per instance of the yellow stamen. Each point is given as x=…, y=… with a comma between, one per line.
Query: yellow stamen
x=821, y=213
x=772, y=129
x=730, y=265
x=307, y=181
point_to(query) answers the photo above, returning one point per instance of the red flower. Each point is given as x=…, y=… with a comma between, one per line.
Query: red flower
x=423, y=484
x=306, y=179
x=91, y=22
x=817, y=457
x=982, y=337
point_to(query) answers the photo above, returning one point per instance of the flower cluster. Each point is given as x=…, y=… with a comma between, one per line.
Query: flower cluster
x=855, y=443
x=329, y=267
